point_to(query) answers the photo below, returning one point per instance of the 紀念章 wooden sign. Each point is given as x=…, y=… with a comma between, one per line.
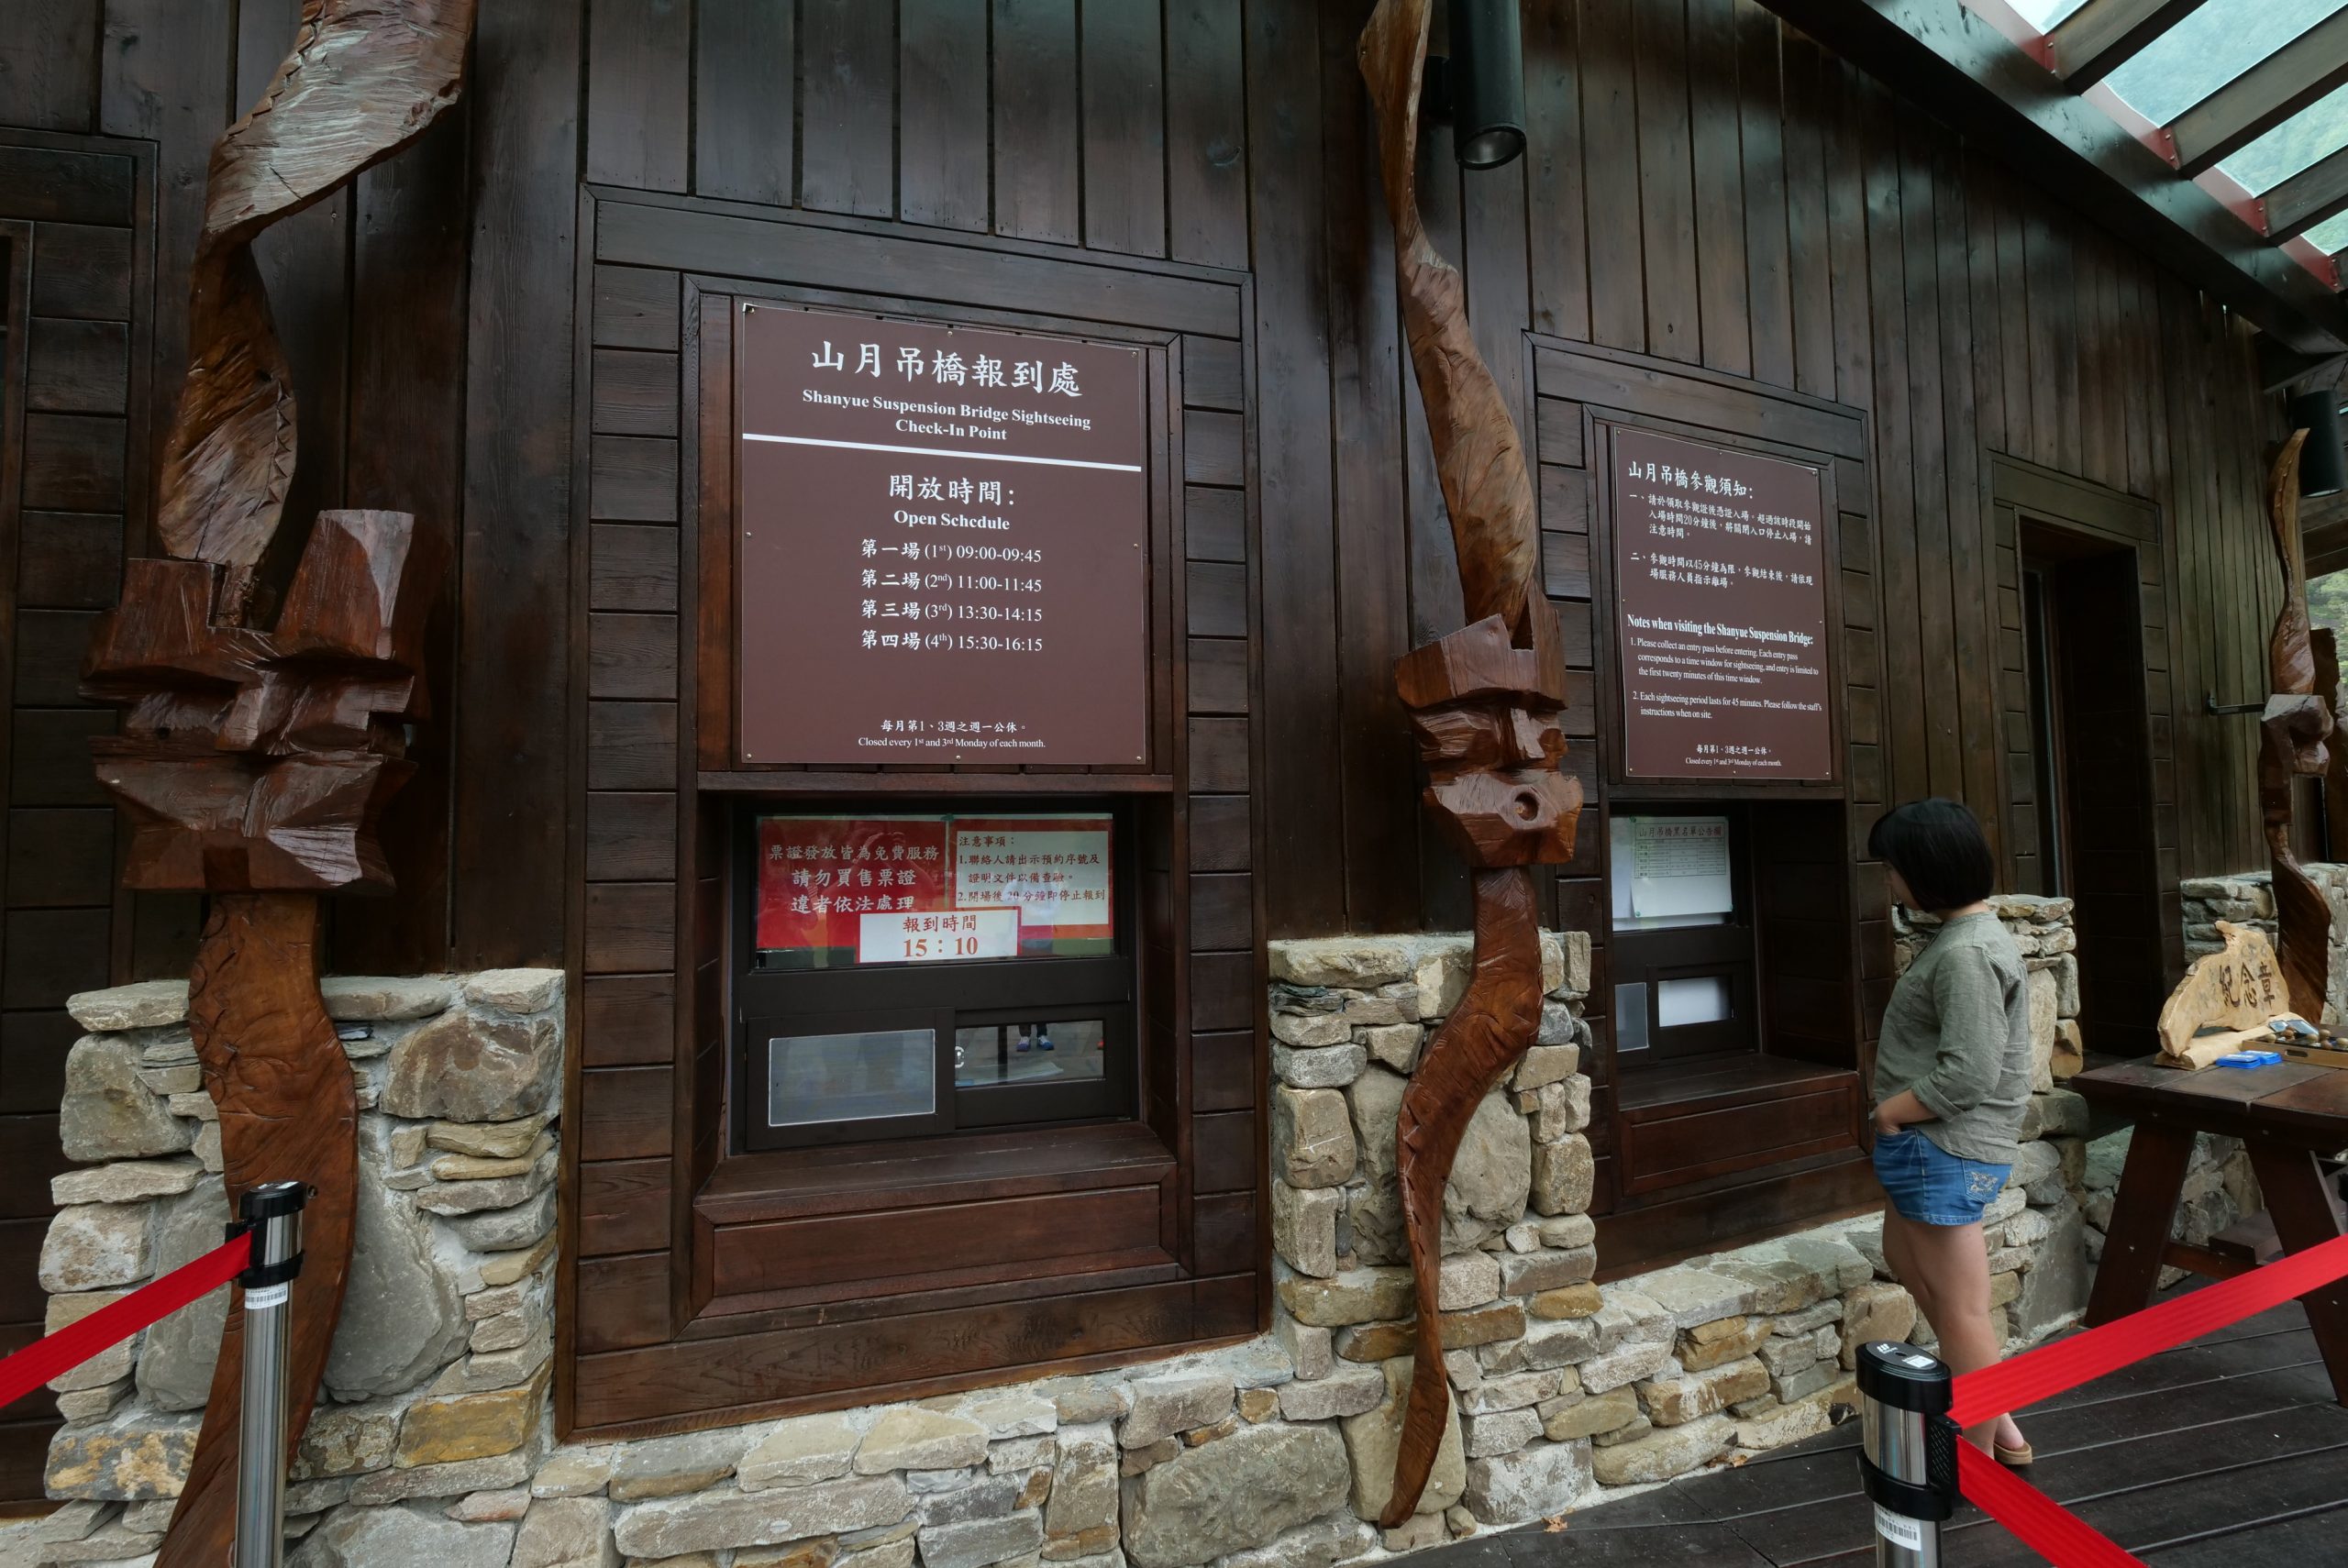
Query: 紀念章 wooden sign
x=2230, y=992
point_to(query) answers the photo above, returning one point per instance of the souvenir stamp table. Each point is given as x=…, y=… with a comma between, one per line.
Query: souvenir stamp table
x=2285, y=1115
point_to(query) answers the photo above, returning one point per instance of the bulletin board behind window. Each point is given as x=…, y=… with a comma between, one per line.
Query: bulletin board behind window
x=1680, y=938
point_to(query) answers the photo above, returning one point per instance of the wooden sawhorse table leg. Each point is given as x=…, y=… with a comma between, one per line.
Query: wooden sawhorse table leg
x=2141, y=1213
x=2292, y=1184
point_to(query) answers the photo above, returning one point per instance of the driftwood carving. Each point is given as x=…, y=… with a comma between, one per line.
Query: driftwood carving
x=255, y=764
x=2292, y=733
x=1485, y=704
x=2326, y=644
x=289, y=1110
x=364, y=79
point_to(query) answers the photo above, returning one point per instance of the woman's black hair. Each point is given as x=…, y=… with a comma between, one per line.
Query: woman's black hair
x=1939, y=850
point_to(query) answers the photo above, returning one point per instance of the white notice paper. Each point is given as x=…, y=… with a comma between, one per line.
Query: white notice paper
x=938, y=937
x=1679, y=866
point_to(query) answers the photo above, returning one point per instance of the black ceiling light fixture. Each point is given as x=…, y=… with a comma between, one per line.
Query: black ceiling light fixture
x=1479, y=89
x=2324, y=463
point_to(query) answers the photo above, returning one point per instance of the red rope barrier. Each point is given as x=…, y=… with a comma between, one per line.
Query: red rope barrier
x=2051, y=1369
x=71, y=1346
x=2037, y=1521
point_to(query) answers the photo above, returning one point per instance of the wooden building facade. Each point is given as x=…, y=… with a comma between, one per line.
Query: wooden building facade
x=519, y=331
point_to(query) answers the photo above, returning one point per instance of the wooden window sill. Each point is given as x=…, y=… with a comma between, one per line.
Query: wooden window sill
x=859, y=1178
x=1708, y=1119
x=899, y=1221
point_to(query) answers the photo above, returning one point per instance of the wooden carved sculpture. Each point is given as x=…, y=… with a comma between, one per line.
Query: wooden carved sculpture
x=2292, y=733
x=254, y=764
x=1485, y=704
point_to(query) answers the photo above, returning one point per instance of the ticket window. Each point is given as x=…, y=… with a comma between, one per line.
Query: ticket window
x=921, y=973
x=1680, y=943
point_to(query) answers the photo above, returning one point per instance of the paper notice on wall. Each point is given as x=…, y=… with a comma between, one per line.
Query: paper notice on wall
x=1056, y=873
x=1679, y=866
x=819, y=877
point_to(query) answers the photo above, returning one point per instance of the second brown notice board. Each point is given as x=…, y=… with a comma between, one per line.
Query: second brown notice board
x=943, y=541
x=1720, y=601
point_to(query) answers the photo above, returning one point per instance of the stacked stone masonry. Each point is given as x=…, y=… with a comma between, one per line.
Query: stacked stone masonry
x=437, y=1383
x=434, y=1443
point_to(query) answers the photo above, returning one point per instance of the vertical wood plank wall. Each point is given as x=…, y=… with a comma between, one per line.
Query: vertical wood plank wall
x=381, y=397
x=1709, y=186
x=1704, y=185
x=74, y=211
x=1835, y=242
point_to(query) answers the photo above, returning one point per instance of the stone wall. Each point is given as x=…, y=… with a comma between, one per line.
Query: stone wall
x=1566, y=1391
x=1270, y=1454
x=436, y=1383
x=2043, y=932
x=434, y=1444
x=2248, y=898
x=1349, y=1017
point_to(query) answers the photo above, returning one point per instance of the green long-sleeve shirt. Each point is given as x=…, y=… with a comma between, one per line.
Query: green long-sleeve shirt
x=1957, y=1034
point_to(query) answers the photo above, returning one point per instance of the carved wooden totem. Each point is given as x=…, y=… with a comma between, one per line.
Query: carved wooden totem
x=2292, y=733
x=1485, y=704
x=254, y=764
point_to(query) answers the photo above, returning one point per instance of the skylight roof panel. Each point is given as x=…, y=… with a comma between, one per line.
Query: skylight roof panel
x=2043, y=13
x=2299, y=142
x=2330, y=235
x=2210, y=47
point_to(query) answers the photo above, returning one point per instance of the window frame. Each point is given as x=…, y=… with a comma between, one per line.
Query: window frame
x=941, y=997
x=663, y=1258
x=1729, y=949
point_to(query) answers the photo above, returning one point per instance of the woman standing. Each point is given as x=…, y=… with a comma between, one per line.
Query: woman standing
x=1952, y=1074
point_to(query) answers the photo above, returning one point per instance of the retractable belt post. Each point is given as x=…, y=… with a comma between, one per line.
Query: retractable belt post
x=1907, y=1451
x=273, y=1213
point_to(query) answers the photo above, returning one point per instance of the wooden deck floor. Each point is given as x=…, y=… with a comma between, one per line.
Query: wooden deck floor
x=2229, y=1452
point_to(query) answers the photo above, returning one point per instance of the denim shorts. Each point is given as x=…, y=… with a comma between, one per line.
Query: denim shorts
x=1929, y=1186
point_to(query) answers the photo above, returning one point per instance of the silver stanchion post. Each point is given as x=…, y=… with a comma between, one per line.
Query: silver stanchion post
x=272, y=1212
x=1907, y=1451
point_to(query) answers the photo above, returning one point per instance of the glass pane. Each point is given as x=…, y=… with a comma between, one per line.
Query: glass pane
x=2327, y=601
x=1670, y=871
x=1631, y=1016
x=2209, y=49
x=844, y=892
x=1058, y=1052
x=2043, y=13
x=813, y=1079
x=2330, y=235
x=2315, y=131
x=1699, y=998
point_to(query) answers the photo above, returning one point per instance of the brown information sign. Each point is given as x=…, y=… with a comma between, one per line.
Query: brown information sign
x=1720, y=592
x=944, y=544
